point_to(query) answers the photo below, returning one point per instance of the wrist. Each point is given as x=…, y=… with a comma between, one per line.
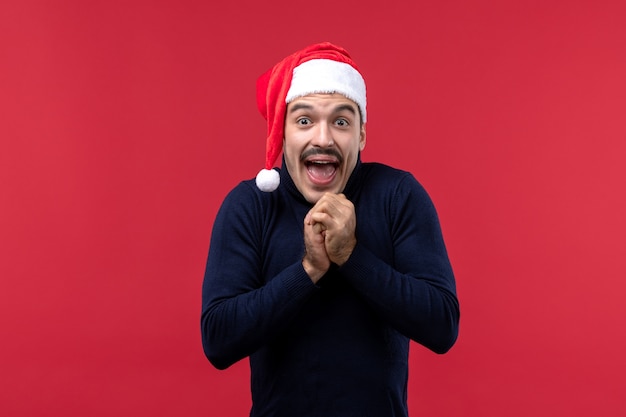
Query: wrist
x=345, y=253
x=314, y=273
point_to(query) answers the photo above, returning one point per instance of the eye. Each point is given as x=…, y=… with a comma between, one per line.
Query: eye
x=303, y=121
x=341, y=122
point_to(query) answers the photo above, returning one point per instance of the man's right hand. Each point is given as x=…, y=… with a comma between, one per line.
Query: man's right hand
x=315, y=262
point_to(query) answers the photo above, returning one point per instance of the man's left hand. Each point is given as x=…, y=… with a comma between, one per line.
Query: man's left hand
x=333, y=215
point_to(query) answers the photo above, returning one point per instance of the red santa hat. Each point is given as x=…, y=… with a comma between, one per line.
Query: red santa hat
x=318, y=68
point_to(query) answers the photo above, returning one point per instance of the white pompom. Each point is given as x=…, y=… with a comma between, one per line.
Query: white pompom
x=267, y=180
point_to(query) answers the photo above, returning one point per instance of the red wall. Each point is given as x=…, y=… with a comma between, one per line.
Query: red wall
x=123, y=125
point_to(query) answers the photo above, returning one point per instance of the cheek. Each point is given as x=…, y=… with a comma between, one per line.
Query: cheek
x=290, y=151
x=291, y=155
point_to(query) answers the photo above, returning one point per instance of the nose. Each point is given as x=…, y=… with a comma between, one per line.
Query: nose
x=324, y=136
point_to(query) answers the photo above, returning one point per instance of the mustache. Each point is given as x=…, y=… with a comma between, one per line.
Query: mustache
x=321, y=151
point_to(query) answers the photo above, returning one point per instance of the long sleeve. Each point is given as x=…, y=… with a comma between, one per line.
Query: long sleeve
x=414, y=289
x=241, y=308
x=346, y=337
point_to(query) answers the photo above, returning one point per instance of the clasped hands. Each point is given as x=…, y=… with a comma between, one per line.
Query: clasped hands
x=329, y=234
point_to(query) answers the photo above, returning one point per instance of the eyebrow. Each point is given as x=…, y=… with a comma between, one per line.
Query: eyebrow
x=299, y=106
x=303, y=106
x=343, y=107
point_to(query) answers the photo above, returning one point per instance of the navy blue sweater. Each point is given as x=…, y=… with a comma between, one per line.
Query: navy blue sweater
x=338, y=348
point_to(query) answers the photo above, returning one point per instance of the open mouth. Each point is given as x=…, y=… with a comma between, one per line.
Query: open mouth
x=321, y=165
x=321, y=171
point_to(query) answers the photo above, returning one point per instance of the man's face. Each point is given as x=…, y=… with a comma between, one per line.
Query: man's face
x=323, y=137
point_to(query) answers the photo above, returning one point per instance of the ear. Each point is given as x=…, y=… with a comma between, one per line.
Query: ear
x=362, y=138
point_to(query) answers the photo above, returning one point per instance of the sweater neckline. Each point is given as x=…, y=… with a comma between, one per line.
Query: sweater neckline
x=350, y=190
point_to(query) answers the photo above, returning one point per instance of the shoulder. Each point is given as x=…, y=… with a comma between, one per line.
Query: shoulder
x=243, y=201
x=378, y=175
x=245, y=192
x=398, y=189
x=241, y=195
x=246, y=200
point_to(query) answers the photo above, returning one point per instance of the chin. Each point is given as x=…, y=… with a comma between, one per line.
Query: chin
x=313, y=195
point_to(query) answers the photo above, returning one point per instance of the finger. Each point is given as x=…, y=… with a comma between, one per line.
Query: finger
x=321, y=218
x=319, y=227
x=333, y=203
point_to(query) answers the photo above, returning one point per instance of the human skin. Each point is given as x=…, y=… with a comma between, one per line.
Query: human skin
x=323, y=138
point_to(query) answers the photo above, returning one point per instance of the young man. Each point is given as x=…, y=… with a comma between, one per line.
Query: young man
x=321, y=272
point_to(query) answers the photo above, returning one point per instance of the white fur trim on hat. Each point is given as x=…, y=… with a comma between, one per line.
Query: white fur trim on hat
x=328, y=76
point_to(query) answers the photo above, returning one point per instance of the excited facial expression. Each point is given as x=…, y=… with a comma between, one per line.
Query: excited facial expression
x=323, y=137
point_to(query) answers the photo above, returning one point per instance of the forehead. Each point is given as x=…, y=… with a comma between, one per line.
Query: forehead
x=331, y=101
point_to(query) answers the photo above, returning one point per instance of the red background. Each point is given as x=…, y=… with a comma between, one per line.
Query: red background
x=123, y=124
